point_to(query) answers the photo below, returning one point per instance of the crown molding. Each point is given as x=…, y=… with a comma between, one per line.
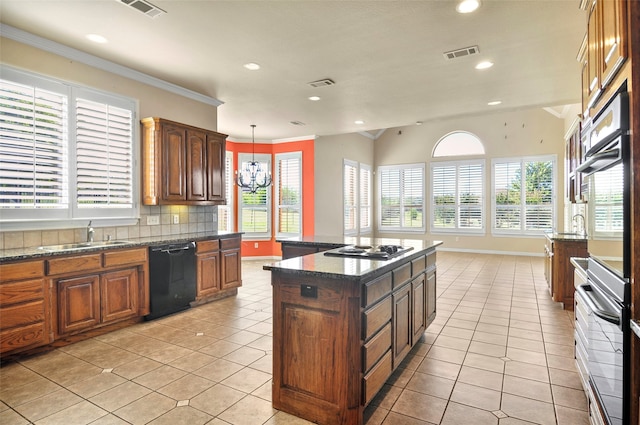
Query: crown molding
x=99, y=63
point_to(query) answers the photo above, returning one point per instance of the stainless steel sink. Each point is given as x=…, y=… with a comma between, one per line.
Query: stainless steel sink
x=81, y=245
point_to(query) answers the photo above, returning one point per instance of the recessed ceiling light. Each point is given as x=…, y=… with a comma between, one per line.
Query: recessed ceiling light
x=314, y=98
x=418, y=122
x=252, y=66
x=96, y=38
x=494, y=103
x=467, y=6
x=484, y=65
x=359, y=122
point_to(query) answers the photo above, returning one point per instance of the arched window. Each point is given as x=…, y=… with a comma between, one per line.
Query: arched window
x=458, y=143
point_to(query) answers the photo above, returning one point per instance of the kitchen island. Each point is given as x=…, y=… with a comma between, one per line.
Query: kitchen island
x=342, y=325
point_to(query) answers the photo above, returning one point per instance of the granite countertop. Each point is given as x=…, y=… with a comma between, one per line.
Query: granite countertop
x=560, y=236
x=336, y=241
x=35, y=252
x=348, y=267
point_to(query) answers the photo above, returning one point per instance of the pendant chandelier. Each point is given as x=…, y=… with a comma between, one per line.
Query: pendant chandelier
x=252, y=176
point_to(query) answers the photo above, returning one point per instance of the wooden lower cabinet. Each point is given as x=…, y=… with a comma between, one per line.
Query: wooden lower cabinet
x=24, y=306
x=219, y=268
x=78, y=303
x=119, y=295
x=560, y=273
x=337, y=339
x=231, y=265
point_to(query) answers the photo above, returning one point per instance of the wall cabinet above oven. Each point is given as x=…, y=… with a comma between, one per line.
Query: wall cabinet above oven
x=603, y=52
x=181, y=164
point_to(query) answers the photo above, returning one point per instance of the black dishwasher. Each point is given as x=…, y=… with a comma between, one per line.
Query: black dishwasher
x=172, y=278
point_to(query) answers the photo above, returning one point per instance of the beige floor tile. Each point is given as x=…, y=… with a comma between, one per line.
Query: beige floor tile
x=160, y=377
x=136, y=368
x=527, y=388
x=459, y=414
x=526, y=356
x=487, y=349
x=565, y=378
x=481, y=361
x=11, y=417
x=16, y=395
x=49, y=404
x=528, y=409
x=481, y=378
x=569, y=397
x=119, y=396
x=247, y=380
x=192, y=361
x=216, y=399
x=394, y=418
x=245, y=355
x=80, y=413
x=264, y=391
x=446, y=354
x=431, y=385
x=526, y=344
x=567, y=416
x=452, y=342
x=387, y=396
x=186, y=415
x=146, y=408
x=248, y=411
x=220, y=348
x=470, y=395
x=420, y=406
x=96, y=385
x=490, y=338
x=186, y=387
x=218, y=370
x=282, y=418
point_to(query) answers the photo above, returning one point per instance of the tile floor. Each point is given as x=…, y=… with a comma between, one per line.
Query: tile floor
x=499, y=352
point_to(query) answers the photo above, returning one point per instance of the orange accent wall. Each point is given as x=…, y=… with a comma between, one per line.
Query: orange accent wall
x=269, y=248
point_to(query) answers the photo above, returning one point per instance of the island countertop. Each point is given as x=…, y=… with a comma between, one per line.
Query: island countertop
x=348, y=267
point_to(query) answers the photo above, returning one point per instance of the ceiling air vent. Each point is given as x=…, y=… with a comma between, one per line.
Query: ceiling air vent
x=297, y=123
x=144, y=7
x=322, y=83
x=467, y=51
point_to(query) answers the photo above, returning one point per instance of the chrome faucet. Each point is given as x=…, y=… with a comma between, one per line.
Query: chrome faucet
x=581, y=230
x=90, y=232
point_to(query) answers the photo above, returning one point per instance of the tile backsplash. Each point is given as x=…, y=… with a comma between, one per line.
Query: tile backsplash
x=192, y=219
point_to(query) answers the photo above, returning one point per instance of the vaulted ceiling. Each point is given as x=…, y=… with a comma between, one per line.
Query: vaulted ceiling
x=385, y=57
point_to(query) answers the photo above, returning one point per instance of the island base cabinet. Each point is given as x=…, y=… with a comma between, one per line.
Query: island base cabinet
x=314, y=324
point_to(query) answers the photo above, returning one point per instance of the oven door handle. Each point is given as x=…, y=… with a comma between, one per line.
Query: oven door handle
x=603, y=314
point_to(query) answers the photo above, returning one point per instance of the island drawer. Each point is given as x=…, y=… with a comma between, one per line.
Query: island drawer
x=375, y=379
x=418, y=265
x=401, y=275
x=230, y=243
x=207, y=246
x=375, y=318
x=373, y=350
x=376, y=289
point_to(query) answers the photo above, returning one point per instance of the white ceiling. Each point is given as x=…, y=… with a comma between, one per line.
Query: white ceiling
x=386, y=57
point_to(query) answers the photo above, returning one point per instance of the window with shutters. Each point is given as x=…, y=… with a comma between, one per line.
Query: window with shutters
x=458, y=143
x=357, y=197
x=225, y=212
x=66, y=152
x=401, y=197
x=523, y=195
x=254, y=215
x=288, y=194
x=606, y=203
x=457, y=196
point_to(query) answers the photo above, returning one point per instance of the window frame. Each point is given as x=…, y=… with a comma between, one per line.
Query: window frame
x=401, y=168
x=229, y=184
x=359, y=207
x=365, y=230
x=457, y=205
x=347, y=208
x=277, y=206
x=611, y=207
x=72, y=215
x=523, y=205
x=264, y=159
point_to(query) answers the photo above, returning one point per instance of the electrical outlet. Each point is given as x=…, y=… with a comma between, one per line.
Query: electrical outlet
x=255, y=245
x=153, y=220
x=176, y=219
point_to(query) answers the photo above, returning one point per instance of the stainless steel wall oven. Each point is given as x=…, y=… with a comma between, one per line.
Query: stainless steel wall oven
x=607, y=293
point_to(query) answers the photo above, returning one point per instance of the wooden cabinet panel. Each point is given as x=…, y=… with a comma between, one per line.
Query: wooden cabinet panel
x=430, y=302
x=207, y=246
x=231, y=267
x=614, y=41
x=21, y=314
x=375, y=379
x=376, y=289
x=76, y=263
x=174, y=164
x=32, y=335
x=208, y=274
x=291, y=251
x=21, y=270
x=418, y=304
x=376, y=317
x=119, y=295
x=125, y=257
x=401, y=324
x=377, y=346
x=401, y=275
x=18, y=292
x=182, y=165
x=78, y=303
x=196, y=170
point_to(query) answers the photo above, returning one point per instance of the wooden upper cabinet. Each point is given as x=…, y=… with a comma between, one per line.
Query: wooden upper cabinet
x=606, y=49
x=181, y=164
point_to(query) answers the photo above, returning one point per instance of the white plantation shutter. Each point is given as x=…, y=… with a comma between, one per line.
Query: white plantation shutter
x=350, y=196
x=457, y=196
x=365, y=198
x=255, y=208
x=523, y=195
x=33, y=148
x=607, y=202
x=66, y=152
x=289, y=194
x=401, y=197
x=104, y=155
x=224, y=211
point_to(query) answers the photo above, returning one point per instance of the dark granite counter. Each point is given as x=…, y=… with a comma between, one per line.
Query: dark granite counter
x=565, y=236
x=345, y=267
x=7, y=255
